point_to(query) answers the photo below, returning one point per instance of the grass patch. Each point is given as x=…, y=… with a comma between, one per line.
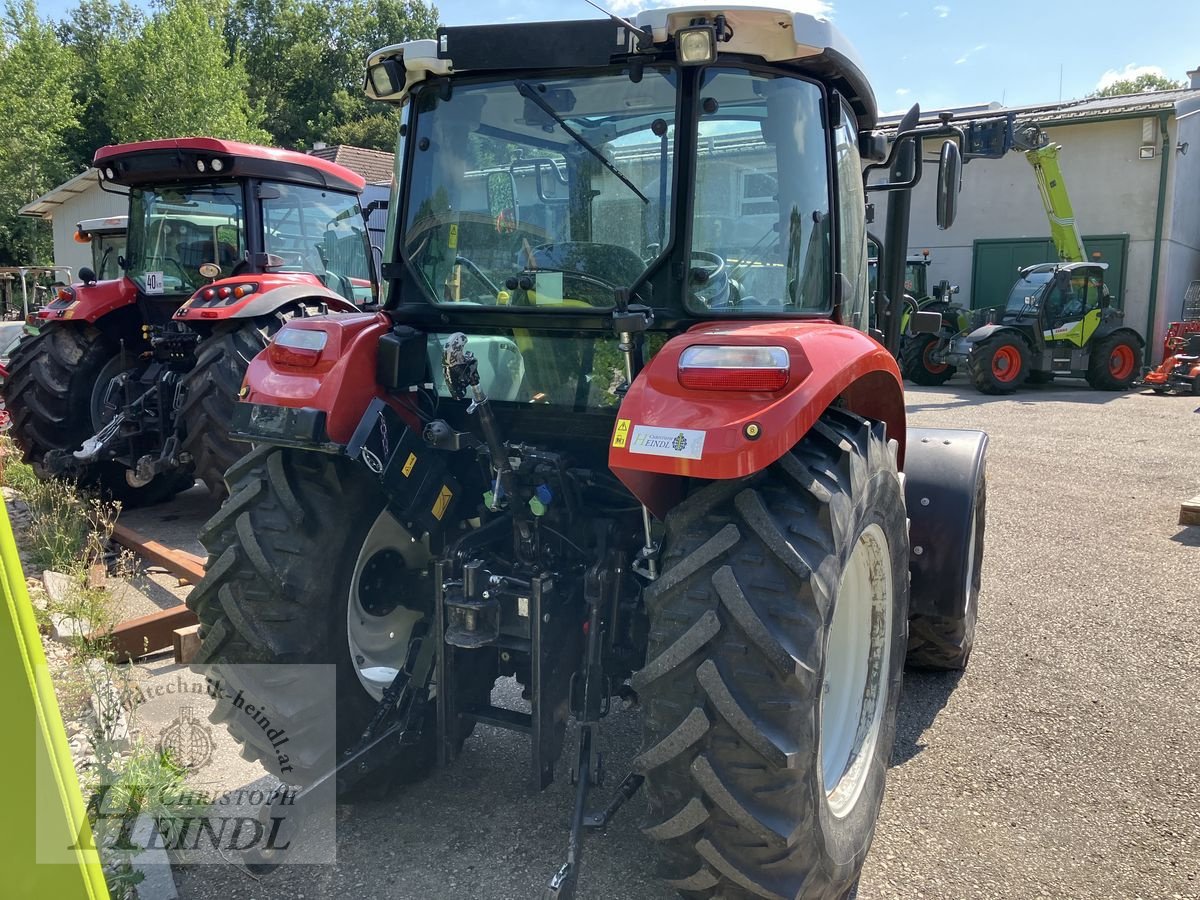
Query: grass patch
x=148, y=782
x=14, y=473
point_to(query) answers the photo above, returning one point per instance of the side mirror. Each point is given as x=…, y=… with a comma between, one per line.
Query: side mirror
x=948, y=184
x=925, y=322
x=385, y=79
x=87, y=275
x=502, y=198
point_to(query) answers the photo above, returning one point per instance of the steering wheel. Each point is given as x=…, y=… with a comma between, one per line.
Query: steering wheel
x=183, y=273
x=598, y=292
x=709, y=272
x=610, y=264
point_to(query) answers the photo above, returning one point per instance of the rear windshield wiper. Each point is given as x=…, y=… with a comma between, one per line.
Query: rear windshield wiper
x=530, y=93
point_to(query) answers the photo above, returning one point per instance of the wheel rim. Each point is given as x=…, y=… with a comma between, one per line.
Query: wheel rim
x=1006, y=363
x=378, y=628
x=857, y=654
x=112, y=368
x=934, y=368
x=1121, y=362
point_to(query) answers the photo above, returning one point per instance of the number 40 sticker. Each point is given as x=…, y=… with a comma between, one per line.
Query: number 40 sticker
x=154, y=282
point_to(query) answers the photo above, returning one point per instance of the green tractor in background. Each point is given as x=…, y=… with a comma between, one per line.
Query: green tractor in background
x=1059, y=320
x=917, y=361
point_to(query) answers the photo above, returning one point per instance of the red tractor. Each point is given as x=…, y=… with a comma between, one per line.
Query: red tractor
x=129, y=383
x=623, y=427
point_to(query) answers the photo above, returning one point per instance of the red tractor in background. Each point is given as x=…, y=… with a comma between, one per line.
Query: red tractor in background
x=129, y=383
x=602, y=441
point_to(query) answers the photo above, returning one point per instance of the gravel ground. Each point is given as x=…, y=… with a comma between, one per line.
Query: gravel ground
x=1062, y=764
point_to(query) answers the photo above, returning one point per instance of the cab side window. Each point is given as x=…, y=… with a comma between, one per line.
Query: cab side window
x=852, y=219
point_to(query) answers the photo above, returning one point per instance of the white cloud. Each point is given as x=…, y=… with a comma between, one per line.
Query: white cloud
x=904, y=15
x=633, y=7
x=942, y=11
x=962, y=59
x=903, y=92
x=1131, y=71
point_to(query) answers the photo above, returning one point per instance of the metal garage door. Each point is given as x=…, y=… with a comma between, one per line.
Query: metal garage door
x=997, y=260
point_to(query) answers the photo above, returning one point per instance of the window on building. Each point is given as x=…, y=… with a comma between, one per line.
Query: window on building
x=759, y=193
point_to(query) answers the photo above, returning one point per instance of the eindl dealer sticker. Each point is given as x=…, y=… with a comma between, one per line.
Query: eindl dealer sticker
x=678, y=443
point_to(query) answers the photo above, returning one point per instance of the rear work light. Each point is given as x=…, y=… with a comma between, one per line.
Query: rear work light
x=710, y=367
x=297, y=347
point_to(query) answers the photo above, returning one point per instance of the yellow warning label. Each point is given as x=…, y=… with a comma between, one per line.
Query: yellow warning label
x=452, y=242
x=621, y=435
x=442, y=502
x=407, y=468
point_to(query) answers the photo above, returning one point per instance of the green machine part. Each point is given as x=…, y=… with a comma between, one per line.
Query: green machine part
x=1064, y=232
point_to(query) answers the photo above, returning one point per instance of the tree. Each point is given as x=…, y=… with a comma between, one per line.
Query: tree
x=94, y=29
x=37, y=77
x=306, y=63
x=1141, y=83
x=178, y=78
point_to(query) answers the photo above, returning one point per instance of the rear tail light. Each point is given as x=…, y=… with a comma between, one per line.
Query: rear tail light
x=711, y=367
x=297, y=347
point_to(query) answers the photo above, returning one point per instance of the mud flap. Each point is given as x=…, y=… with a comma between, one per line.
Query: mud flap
x=944, y=491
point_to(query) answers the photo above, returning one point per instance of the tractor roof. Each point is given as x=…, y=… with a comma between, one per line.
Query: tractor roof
x=1042, y=268
x=103, y=225
x=813, y=45
x=173, y=159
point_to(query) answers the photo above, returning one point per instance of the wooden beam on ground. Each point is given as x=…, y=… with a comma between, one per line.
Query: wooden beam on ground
x=187, y=644
x=183, y=565
x=144, y=635
x=1189, y=511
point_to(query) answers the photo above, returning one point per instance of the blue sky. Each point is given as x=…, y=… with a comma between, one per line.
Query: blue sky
x=948, y=53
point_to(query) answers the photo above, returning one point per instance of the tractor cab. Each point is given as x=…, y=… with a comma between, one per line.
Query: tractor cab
x=1066, y=302
x=107, y=239
x=209, y=216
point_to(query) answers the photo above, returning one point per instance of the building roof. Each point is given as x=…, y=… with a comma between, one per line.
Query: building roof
x=44, y=206
x=373, y=165
x=1088, y=108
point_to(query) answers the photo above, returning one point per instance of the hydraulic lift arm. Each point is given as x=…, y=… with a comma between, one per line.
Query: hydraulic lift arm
x=1057, y=202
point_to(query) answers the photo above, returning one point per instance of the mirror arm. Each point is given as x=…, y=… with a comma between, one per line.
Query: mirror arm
x=919, y=134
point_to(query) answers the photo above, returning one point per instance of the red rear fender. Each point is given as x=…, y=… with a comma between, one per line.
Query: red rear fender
x=91, y=301
x=665, y=429
x=252, y=296
x=342, y=382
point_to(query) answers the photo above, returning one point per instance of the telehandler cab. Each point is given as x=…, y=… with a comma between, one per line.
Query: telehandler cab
x=131, y=381
x=598, y=441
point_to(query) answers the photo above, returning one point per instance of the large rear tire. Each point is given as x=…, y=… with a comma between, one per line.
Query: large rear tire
x=999, y=364
x=917, y=365
x=211, y=390
x=51, y=395
x=1113, y=363
x=303, y=549
x=777, y=644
